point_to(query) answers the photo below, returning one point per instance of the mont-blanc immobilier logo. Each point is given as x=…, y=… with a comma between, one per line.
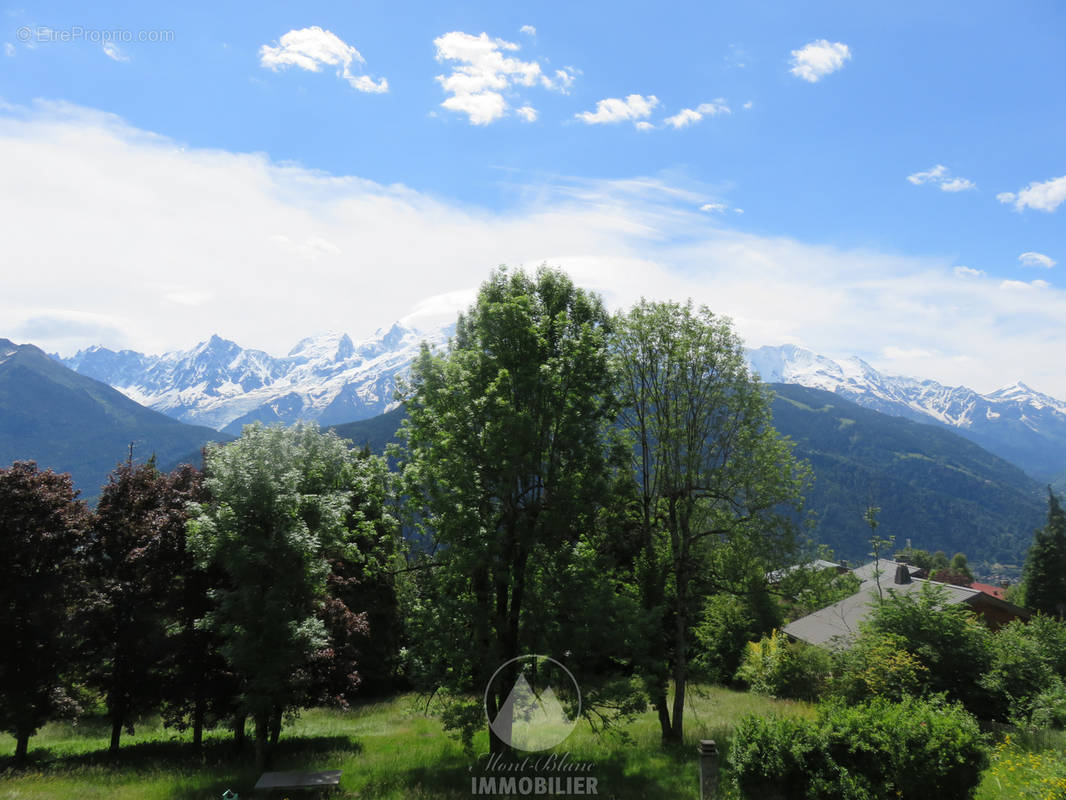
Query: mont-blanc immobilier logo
x=532, y=716
x=540, y=709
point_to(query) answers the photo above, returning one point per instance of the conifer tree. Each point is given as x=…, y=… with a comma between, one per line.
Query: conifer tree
x=1045, y=569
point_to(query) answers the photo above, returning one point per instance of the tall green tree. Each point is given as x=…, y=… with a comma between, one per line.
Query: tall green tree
x=42, y=539
x=275, y=518
x=713, y=477
x=505, y=463
x=1045, y=568
x=133, y=559
x=198, y=687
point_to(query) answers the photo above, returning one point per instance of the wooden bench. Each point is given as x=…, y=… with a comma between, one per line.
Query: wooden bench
x=299, y=781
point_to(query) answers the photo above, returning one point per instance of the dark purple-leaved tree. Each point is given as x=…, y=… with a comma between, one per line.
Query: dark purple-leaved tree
x=42, y=533
x=135, y=557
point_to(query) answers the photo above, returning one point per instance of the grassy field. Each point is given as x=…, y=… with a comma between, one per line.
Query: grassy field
x=393, y=750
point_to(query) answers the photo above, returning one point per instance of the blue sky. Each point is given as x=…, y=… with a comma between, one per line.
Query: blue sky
x=858, y=178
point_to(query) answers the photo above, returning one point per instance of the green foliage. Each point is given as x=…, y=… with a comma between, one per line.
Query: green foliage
x=1045, y=569
x=879, y=665
x=505, y=465
x=776, y=667
x=876, y=749
x=1028, y=671
x=725, y=628
x=946, y=639
x=277, y=514
x=42, y=534
x=713, y=477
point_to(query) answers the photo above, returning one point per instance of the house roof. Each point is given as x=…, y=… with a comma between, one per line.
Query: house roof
x=988, y=588
x=838, y=625
x=886, y=566
x=818, y=563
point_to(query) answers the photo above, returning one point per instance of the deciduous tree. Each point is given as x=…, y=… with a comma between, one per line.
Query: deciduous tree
x=505, y=463
x=42, y=541
x=275, y=517
x=713, y=476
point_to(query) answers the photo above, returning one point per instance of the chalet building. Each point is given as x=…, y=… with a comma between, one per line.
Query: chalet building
x=838, y=625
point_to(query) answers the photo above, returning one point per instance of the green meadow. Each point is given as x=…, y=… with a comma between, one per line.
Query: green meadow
x=395, y=750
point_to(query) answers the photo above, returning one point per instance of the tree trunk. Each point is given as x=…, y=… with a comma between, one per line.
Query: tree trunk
x=116, y=736
x=275, y=728
x=659, y=700
x=198, y=723
x=22, y=746
x=680, y=677
x=238, y=730
x=262, y=735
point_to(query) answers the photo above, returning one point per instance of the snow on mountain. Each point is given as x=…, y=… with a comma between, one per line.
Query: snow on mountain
x=1016, y=423
x=333, y=379
x=327, y=378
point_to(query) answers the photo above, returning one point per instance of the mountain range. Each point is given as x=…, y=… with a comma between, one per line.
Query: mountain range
x=1017, y=423
x=72, y=423
x=333, y=379
x=329, y=379
x=934, y=488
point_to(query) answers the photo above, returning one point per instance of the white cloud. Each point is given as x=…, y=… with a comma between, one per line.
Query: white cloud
x=748, y=105
x=957, y=185
x=112, y=51
x=968, y=272
x=688, y=116
x=482, y=73
x=817, y=59
x=644, y=126
x=99, y=200
x=9, y=50
x=528, y=113
x=311, y=48
x=714, y=207
x=1023, y=285
x=934, y=174
x=939, y=176
x=1036, y=260
x=895, y=353
x=1045, y=196
x=528, y=30
x=613, y=109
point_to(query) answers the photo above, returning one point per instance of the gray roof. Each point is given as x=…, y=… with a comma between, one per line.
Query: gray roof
x=838, y=625
x=887, y=567
x=818, y=564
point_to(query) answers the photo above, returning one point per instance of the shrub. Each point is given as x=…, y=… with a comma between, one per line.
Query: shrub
x=726, y=627
x=868, y=751
x=879, y=665
x=776, y=667
x=1027, y=672
x=947, y=640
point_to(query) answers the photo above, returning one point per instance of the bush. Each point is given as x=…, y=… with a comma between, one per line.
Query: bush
x=1027, y=672
x=869, y=751
x=952, y=645
x=878, y=665
x=776, y=667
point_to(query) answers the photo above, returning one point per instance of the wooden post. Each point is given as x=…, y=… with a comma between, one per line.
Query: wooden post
x=708, y=751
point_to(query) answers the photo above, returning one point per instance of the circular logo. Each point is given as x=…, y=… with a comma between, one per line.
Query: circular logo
x=536, y=692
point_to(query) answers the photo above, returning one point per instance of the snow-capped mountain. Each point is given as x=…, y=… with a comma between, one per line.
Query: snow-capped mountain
x=329, y=378
x=333, y=380
x=1016, y=423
